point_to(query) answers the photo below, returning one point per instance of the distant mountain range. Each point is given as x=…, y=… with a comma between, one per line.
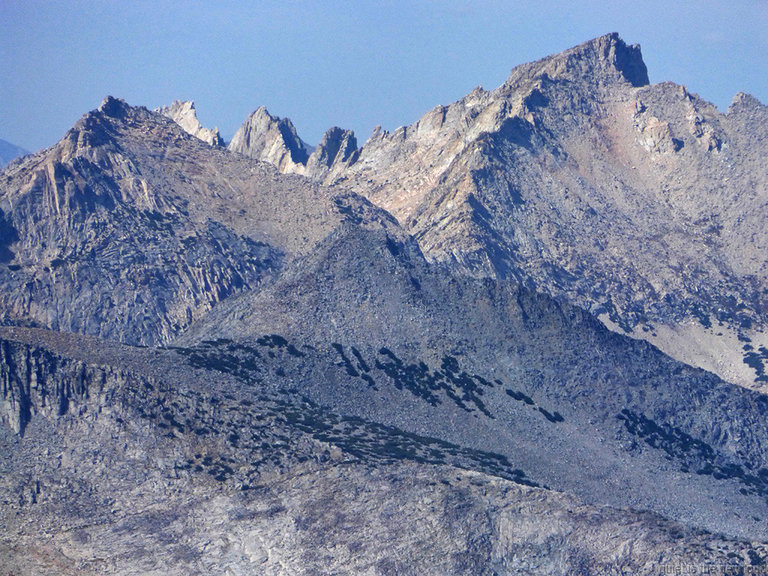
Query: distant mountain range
x=524, y=335
x=9, y=151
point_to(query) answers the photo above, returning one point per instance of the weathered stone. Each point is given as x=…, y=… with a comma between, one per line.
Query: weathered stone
x=642, y=203
x=184, y=114
x=272, y=139
x=348, y=391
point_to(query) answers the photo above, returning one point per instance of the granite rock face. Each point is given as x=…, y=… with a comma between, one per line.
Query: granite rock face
x=337, y=150
x=272, y=139
x=641, y=203
x=275, y=140
x=130, y=229
x=401, y=358
x=184, y=114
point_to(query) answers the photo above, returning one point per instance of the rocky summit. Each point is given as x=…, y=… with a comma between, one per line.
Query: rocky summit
x=185, y=115
x=524, y=335
x=580, y=180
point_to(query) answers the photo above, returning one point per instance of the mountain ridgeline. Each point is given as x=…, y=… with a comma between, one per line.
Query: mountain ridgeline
x=525, y=334
x=578, y=179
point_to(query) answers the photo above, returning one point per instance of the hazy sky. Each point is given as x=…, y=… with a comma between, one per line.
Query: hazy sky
x=353, y=64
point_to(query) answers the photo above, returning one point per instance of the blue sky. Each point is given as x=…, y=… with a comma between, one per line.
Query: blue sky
x=351, y=64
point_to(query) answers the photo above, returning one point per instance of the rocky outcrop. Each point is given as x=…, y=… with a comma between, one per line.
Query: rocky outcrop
x=184, y=114
x=271, y=139
x=109, y=233
x=336, y=151
x=275, y=140
x=578, y=178
x=38, y=383
x=31, y=383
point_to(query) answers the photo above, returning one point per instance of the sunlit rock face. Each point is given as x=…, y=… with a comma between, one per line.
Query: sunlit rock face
x=422, y=355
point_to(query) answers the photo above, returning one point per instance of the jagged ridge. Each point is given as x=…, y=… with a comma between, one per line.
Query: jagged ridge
x=185, y=115
x=578, y=178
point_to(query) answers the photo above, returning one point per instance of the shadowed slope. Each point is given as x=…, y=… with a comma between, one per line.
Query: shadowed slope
x=490, y=365
x=130, y=228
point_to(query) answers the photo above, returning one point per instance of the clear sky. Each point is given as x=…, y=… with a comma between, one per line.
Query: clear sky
x=354, y=64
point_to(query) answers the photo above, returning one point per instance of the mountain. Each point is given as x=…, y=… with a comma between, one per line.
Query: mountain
x=185, y=115
x=9, y=152
x=275, y=140
x=483, y=365
x=273, y=359
x=641, y=203
x=129, y=228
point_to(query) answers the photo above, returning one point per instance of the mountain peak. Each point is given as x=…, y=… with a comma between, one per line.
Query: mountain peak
x=744, y=100
x=608, y=54
x=337, y=147
x=272, y=139
x=114, y=107
x=185, y=115
x=627, y=59
x=605, y=59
